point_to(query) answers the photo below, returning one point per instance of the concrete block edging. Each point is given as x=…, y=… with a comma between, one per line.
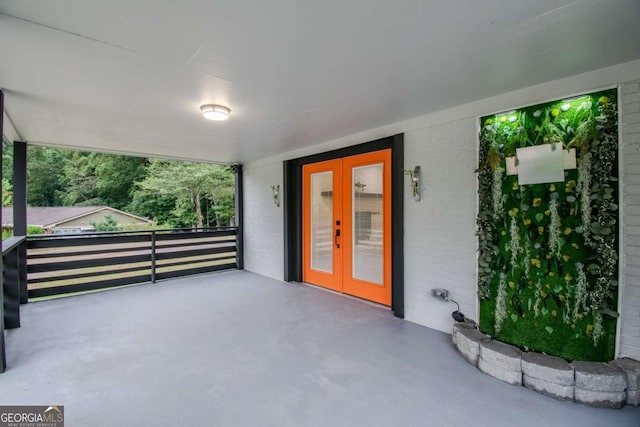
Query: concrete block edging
x=607, y=385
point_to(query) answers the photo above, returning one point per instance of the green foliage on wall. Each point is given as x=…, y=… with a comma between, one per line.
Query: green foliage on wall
x=548, y=253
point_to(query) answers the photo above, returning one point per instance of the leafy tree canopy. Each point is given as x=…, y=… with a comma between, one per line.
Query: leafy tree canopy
x=173, y=193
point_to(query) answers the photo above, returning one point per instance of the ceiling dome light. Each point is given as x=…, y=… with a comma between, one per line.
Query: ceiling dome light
x=215, y=112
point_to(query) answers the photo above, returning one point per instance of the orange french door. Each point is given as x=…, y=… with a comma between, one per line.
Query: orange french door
x=347, y=225
x=321, y=229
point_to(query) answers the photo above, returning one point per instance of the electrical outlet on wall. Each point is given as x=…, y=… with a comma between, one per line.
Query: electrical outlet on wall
x=440, y=293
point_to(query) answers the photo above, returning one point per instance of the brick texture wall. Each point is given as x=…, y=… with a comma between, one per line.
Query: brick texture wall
x=264, y=231
x=440, y=240
x=630, y=275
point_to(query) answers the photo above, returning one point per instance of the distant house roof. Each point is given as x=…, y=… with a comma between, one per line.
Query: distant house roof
x=50, y=217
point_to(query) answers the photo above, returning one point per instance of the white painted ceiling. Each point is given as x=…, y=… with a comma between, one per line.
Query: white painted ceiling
x=129, y=75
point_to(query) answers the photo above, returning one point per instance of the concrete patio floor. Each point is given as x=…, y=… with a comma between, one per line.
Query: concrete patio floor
x=238, y=349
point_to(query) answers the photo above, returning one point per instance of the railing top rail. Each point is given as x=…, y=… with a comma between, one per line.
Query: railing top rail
x=12, y=242
x=132, y=232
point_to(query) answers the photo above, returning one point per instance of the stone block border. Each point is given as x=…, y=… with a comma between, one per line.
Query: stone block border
x=604, y=385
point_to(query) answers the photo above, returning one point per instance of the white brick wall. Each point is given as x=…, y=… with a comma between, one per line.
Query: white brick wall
x=263, y=235
x=440, y=242
x=629, y=344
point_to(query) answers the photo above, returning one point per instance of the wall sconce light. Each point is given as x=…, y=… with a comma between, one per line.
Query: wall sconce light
x=414, y=174
x=276, y=194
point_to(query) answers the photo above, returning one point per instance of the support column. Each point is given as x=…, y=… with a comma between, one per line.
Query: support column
x=20, y=211
x=239, y=214
x=3, y=356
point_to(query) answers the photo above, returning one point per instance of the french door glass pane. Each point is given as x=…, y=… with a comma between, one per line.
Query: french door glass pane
x=322, y=221
x=367, y=223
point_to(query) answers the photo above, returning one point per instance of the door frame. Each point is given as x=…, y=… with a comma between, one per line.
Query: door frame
x=292, y=203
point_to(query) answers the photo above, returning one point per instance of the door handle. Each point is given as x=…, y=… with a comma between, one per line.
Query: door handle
x=335, y=238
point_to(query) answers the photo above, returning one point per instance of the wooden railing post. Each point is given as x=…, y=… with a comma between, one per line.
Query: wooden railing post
x=22, y=272
x=239, y=215
x=153, y=256
x=20, y=211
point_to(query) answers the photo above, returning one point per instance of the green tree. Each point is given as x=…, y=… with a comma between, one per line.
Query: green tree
x=222, y=195
x=7, y=160
x=44, y=175
x=191, y=184
x=175, y=194
x=150, y=204
x=116, y=177
x=109, y=224
x=94, y=178
x=80, y=180
x=7, y=192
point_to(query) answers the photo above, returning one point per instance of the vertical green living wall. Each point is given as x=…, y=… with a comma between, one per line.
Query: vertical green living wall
x=548, y=253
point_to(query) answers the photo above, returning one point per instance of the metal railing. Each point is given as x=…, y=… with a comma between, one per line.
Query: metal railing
x=61, y=264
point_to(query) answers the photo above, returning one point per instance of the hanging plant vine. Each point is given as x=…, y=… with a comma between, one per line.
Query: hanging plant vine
x=555, y=244
x=515, y=242
x=584, y=190
x=501, y=302
x=581, y=292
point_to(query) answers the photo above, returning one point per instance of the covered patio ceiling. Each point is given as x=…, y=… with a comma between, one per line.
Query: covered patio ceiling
x=129, y=76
